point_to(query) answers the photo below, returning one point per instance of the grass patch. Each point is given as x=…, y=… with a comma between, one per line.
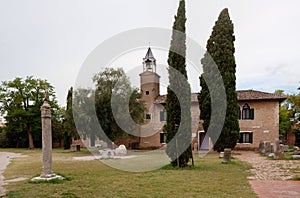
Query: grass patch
x=209, y=178
x=296, y=178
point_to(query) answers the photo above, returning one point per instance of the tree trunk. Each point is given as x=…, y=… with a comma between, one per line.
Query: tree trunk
x=30, y=139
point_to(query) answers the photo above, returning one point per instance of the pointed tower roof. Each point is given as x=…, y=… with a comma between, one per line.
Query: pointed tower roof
x=149, y=54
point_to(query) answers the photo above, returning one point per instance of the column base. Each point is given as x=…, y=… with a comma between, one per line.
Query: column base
x=47, y=177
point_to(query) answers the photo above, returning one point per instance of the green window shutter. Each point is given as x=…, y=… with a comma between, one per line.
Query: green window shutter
x=251, y=138
x=241, y=138
x=251, y=114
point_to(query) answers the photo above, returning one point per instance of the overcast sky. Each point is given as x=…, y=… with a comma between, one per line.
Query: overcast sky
x=51, y=39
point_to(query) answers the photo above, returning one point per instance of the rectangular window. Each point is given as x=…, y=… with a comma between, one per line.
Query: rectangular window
x=246, y=137
x=147, y=92
x=163, y=138
x=248, y=114
x=163, y=115
x=148, y=116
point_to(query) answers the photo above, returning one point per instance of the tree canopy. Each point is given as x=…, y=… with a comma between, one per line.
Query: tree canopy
x=112, y=85
x=21, y=101
x=220, y=48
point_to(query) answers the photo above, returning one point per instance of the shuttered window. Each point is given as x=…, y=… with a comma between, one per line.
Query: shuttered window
x=247, y=112
x=163, y=115
x=246, y=137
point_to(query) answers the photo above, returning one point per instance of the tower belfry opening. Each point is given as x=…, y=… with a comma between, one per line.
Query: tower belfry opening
x=149, y=62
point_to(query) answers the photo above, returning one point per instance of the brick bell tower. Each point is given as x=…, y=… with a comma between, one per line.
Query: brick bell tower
x=149, y=81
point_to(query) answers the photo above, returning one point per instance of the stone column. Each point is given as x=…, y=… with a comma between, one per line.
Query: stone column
x=46, y=139
x=47, y=173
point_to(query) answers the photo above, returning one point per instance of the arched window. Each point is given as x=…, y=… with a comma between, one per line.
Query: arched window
x=247, y=112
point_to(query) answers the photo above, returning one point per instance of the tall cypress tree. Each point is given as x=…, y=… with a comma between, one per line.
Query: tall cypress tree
x=178, y=127
x=70, y=130
x=220, y=47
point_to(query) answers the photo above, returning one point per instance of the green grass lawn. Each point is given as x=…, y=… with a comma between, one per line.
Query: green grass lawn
x=209, y=178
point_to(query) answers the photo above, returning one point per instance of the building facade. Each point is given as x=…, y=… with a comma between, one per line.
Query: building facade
x=258, y=116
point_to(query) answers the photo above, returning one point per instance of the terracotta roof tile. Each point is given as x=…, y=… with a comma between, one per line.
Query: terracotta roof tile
x=259, y=95
x=241, y=94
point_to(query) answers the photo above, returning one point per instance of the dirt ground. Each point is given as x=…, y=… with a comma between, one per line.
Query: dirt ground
x=270, y=177
x=4, y=161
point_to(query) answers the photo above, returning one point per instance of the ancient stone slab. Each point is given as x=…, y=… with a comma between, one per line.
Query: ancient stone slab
x=227, y=155
x=296, y=156
x=121, y=150
x=75, y=147
x=262, y=148
x=107, y=153
x=221, y=155
x=276, y=145
x=268, y=147
x=278, y=152
x=286, y=148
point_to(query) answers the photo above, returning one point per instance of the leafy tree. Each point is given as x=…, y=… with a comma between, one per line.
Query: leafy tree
x=111, y=85
x=57, y=126
x=220, y=48
x=178, y=127
x=82, y=108
x=21, y=101
x=294, y=104
x=285, y=123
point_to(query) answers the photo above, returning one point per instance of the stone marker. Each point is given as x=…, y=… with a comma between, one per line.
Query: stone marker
x=47, y=173
x=227, y=155
x=221, y=155
x=262, y=148
x=121, y=150
x=296, y=150
x=276, y=145
x=278, y=152
x=268, y=147
x=286, y=148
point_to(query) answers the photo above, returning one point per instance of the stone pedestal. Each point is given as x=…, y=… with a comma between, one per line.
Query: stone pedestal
x=227, y=155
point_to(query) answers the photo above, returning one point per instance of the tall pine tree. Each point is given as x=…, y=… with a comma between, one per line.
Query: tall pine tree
x=220, y=47
x=178, y=127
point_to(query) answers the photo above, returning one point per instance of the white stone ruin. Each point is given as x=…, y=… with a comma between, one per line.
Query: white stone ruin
x=107, y=154
x=121, y=150
x=111, y=153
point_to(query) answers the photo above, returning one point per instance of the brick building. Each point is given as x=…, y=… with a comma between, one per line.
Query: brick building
x=258, y=115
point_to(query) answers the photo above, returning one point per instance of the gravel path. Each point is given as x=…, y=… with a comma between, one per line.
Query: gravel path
x=270, y=177
x=4, y=161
